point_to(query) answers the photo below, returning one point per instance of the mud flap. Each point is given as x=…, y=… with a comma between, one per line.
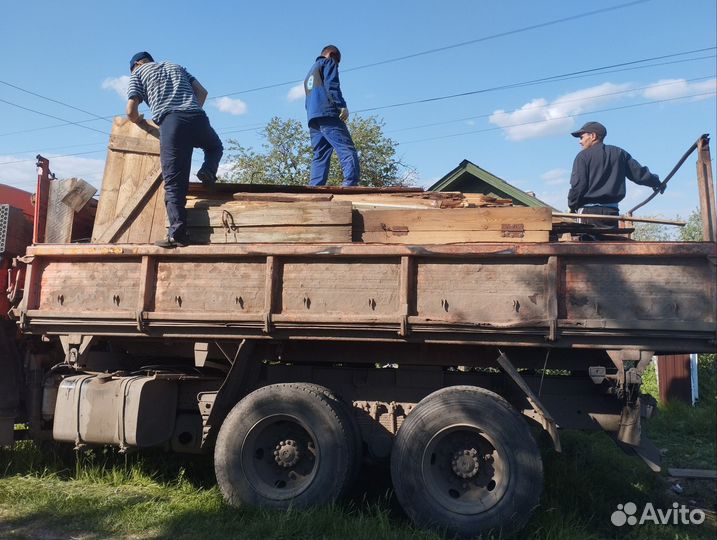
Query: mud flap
x=9, y=382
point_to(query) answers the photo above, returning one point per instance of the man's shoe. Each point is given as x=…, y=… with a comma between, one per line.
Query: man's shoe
x=207, y=177
x=170, y=242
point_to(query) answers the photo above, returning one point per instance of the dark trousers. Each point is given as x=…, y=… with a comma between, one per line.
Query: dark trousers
x=329, y=134
x=601, y=211
x=179, y=134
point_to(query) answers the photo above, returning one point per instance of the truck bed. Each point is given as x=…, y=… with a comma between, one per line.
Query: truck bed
x=651, y=296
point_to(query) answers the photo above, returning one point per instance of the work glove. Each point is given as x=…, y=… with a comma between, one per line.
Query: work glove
x=343, y=114
x=660, y=189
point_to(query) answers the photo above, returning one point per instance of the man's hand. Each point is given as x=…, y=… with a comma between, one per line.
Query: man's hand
x=660, y=188
x=343, y=114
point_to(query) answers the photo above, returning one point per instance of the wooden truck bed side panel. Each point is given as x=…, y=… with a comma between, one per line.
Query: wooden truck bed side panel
x=546, y=295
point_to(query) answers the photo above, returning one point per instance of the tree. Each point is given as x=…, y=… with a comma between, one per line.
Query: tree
x=287, y=153
x=655, y=232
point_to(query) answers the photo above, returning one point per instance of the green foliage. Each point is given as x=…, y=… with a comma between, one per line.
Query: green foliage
x=655, y=232
x=692, y=232
x=286, y=155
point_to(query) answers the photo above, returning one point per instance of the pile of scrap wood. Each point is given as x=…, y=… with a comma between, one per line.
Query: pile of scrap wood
x=131, y=208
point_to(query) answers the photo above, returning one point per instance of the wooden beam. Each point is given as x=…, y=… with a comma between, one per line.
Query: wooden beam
x=618, y=218
x=136, y=145
x=132, y=206
x=706, y=187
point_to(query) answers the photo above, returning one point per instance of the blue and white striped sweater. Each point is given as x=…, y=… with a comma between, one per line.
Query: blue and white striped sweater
x=165, y=87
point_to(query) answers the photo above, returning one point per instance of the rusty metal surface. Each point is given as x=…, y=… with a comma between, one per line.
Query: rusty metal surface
x=657, y=296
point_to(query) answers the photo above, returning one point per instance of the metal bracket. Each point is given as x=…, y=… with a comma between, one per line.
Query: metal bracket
x=543, y=416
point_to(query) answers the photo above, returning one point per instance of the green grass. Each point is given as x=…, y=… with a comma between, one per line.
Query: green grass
x=50, y=494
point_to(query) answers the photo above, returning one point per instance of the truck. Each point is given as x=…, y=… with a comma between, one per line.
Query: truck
x=294, y=363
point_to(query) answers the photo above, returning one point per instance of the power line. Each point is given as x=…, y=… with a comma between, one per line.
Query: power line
x=453, y=46
x=596, y=96
x=53, y=157
x=51, y=127
x=473, y=117
x=51, y=116
x=546, y=120
x=51, y=99
x=551, y=78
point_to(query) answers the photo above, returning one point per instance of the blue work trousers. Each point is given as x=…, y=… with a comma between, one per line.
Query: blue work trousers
x=328, y=134
x=179, y=133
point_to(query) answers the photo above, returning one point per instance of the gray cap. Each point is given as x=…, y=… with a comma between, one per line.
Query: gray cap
x=591, y=127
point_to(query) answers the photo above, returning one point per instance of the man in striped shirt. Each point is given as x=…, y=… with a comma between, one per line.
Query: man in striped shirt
x=175, y=99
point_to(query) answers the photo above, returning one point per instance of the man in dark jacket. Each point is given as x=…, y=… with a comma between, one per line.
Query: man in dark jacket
x=327, y=115
x=597, y=183
x=175, y=99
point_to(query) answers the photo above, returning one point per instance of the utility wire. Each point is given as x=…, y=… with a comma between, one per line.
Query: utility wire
x=433, y=124
x=53, y=100
x=50, y=127
x=546, y=120
x=453, y=46
x=596, y=96
x=52, y=116
x=551, y=78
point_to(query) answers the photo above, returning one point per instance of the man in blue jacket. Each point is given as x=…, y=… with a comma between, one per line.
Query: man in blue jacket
x=597, y=183
x=327, y=114
x=175, y=99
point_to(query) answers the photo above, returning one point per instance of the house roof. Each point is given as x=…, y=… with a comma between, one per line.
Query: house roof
x=470, y=178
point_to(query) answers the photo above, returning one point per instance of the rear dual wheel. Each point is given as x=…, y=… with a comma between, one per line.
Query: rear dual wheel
x=286, y=445
x=465, y=462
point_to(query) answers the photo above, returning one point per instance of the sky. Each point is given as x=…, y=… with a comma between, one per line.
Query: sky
x=500, y=83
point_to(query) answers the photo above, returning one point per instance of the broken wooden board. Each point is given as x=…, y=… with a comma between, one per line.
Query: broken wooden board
x=513, y=224
x=131, y=201
x=65, y=199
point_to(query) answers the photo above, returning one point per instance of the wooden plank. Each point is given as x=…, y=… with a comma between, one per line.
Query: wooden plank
x=448, y=237
x=283, y=197
x=137, y=145
x=269, y=214
x=140, y=229
x=79, y=195
x=706, y=190
x=58, y=228
x=132, y=206
x=692, y=473
x=160, y=221
x=278, y=234
x=111, y=182
x=458, y=219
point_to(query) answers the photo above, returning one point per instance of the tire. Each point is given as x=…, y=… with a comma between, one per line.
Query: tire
x=283, y=445
x=347, y=417
x=464, y=462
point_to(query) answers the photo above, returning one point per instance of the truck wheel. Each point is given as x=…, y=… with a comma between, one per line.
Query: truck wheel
x=283, y=445
x=348, y=419
x=465, y=462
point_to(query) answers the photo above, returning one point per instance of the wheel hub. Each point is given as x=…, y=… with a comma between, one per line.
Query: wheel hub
x=286, y=453
x=465, y=463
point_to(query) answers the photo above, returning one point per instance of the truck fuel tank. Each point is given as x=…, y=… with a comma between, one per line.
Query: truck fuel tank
x=134, y=411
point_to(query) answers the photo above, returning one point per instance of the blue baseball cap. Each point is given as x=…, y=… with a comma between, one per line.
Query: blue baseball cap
x=144, y=55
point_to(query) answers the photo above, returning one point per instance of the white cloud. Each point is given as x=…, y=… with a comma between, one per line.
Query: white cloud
x=296, y=93
x=555, y=177
x=117, y=84
x=232, y=106
x=675, y=88
x=539, y=118
x=22, y=173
